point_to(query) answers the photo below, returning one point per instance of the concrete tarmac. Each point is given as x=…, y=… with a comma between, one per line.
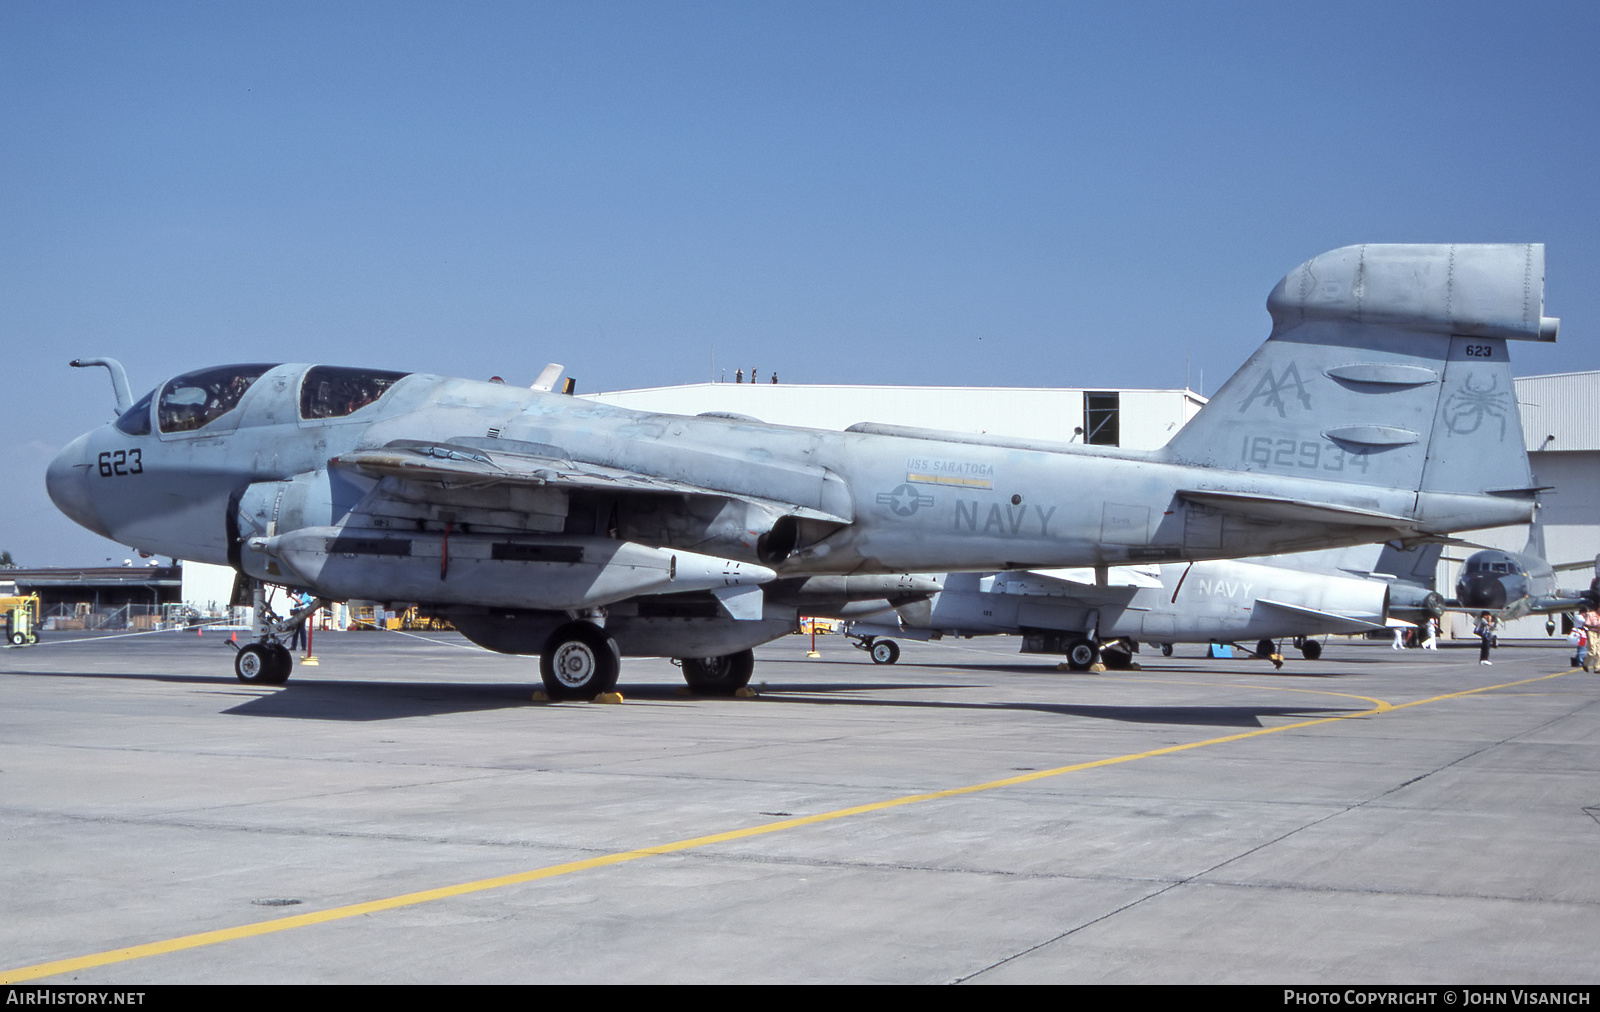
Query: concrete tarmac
x=967, y=815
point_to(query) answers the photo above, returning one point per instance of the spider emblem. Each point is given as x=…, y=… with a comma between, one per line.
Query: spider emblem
x=1467, y=408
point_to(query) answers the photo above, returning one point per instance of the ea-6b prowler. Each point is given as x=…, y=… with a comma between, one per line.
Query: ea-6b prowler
x=1381, y=407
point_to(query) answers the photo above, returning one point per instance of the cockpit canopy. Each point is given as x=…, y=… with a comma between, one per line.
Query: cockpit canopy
x=196, y=399
x=331, y=391
x=191, y=401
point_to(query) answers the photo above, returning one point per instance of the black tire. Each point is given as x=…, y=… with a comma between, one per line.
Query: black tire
x=579, y=661
x=1266, y=648
x=1311, y=650
x=282, y=664
x=19, y=639
x=885, y=652
x=1082, y=654
x=254, y=664
x=1166, y=650
x=1116, y=658
x=719, y=676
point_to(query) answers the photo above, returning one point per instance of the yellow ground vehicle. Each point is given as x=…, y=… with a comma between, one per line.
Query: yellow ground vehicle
x=22, y=619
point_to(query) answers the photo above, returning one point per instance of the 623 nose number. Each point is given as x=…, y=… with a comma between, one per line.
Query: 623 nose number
x=120, y=462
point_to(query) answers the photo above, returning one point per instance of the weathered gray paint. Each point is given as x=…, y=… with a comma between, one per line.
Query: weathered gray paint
x=1363, y=417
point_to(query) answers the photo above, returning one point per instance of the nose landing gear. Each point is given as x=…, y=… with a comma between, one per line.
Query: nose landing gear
x=266, y=661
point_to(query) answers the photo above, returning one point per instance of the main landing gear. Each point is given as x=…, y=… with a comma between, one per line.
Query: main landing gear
x=1265, y=650
x=1115, y=655
x=719, y=676
x=1310, y=649
x=581, y=660
x=266, y=661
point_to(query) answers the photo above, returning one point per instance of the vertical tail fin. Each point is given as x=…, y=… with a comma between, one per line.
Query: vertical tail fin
x=1535, y=545
x=1386, y=366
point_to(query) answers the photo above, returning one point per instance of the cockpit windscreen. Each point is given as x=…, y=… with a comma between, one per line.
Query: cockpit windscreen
x=195, y=399
x=331, y=391
x=136, y=420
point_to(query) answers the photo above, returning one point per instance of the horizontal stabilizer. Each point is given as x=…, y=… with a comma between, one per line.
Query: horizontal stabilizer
x=1266, y=507
x=1320, y=616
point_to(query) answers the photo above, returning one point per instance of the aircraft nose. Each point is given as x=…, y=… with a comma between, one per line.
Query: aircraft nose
x=1483, y=590
x=68, y=482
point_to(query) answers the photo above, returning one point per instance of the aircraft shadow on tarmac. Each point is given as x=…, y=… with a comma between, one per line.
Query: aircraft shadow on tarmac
x=1201, y=716
x=1258, y=668
x=366, y=700
x=1292, y=668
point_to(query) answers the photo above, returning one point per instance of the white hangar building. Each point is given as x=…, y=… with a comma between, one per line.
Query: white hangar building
x=1560, y=422
x=1139, y=419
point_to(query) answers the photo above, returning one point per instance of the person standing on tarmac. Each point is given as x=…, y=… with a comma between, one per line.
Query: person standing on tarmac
x=1588, y=624
x=300, y=599
x=1485, y=631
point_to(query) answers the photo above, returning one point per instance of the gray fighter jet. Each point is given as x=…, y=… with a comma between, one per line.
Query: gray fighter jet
x=1380, y=408
x=1293, y=597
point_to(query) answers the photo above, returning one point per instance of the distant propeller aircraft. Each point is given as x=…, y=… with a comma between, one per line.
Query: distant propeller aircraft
x=1515, y=584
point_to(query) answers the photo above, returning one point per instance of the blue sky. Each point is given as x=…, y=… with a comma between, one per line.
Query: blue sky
x=976, y=193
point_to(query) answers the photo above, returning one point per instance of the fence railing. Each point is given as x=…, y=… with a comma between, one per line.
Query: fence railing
x=131, y=617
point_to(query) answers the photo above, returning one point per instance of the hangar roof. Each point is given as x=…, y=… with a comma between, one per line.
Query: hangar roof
x=1565, y=406
x=1148, y=418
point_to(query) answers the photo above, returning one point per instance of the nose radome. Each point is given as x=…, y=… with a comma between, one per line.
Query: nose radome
x=1482, y=590
x=68, y=482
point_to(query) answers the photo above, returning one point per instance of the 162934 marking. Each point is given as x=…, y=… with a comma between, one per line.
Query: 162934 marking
x=1268, y=451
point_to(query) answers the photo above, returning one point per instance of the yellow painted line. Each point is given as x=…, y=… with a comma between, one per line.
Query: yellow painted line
x=945, y=479
x=204, y=938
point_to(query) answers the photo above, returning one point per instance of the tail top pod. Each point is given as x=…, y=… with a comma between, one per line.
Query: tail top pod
x=1456, y=290
x=1386, y=366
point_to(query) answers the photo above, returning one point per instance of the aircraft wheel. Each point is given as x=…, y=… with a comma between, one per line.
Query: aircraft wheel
x=1266, y=648
x=579, y=661
x=885, y=652
x=1081, y=654
x=1311, y=650
x=1166, y=650
x=721, y=676
x=1116, y=659
x=255, y=664
x=281, y=664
